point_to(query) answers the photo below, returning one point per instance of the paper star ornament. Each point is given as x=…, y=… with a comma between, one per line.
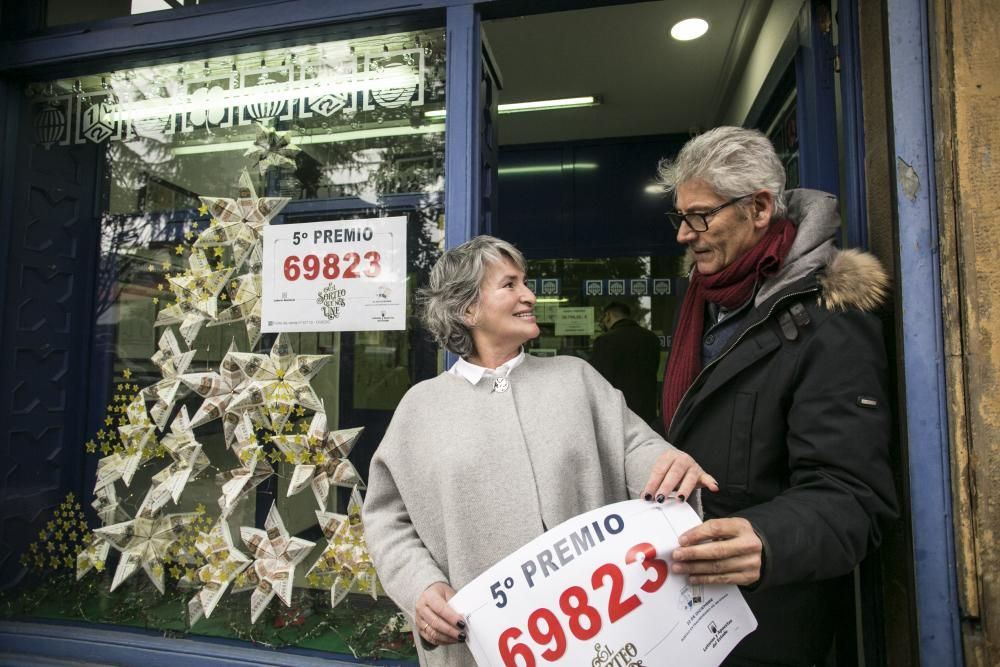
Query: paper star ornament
x=272, y=149
x=345, y=562
x=240, y=220
x=276, y=554
x=253, y=470
x=137, y=437
x=246, y=302
x=143, y=542
x=321, y=458
x=109, y=511
x=279, y=381
x=223, y=563
x=188, y=462
x=173, y=365
x=219, y=390
x=197, y=296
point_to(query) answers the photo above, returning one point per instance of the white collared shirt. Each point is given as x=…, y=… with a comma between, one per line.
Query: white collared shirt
x=474, y=373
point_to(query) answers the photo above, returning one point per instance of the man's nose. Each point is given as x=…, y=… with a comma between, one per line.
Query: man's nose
x=685, y=234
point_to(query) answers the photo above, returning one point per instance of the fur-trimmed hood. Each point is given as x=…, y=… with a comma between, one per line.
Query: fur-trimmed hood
x=854, y=279
x=848, y=278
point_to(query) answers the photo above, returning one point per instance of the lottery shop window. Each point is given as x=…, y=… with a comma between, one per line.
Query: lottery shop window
x=223, y=467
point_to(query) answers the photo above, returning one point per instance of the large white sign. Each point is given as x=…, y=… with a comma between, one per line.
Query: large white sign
x=344, y=275
x=597, y=590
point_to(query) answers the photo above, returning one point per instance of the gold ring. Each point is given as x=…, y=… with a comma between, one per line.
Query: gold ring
x=426, y=625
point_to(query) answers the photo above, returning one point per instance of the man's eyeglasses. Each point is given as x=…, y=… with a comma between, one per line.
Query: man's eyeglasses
x=698, y=220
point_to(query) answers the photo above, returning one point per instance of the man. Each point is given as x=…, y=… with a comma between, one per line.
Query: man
x=628, y=356
x=776, y=384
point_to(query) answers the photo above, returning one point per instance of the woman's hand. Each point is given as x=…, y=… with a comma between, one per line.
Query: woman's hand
x=676, y=471
x=436, y=622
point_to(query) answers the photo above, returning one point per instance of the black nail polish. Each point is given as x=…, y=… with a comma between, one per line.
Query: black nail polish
x=648, y=496
x=681, y=496
x=461, y=636
x=461, y=625
x=660, y=498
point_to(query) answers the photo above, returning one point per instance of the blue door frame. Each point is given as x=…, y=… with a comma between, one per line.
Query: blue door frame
x=199, y=28
x=923, y=337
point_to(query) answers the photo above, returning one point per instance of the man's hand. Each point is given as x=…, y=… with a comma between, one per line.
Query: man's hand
x=720, y=551
x=675, y=470
x=437, y=622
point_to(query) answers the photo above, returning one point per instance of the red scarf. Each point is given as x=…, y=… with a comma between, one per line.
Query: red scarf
x=730, y=288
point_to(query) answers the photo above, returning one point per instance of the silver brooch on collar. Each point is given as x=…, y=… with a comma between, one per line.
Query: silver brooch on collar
x=500, y=385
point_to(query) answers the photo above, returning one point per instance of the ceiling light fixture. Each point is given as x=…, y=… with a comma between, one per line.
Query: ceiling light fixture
x=537, y=105
x=688, y=29
x=547, y=168
x=326, y=138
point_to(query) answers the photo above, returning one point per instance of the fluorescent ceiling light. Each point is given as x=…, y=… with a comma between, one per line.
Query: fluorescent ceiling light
x=326, y=138
x=537, y=105
x=547, y=168
x=549, y=105
x=655, y=189
x=689, y=29
x=552, y=299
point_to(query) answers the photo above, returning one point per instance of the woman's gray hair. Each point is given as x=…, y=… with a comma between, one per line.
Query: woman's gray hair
x=733, y=161
x=454, y=289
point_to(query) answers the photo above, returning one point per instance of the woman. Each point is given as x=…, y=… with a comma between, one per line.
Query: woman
x=487, y=456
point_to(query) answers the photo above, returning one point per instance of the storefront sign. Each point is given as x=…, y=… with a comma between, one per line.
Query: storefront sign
x=597, y=590
x=575, y=321
x=344, y=275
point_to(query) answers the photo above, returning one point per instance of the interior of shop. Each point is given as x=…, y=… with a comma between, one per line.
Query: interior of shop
x=615, y=92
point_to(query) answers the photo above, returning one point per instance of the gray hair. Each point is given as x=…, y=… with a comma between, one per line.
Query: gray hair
x=454, y=289
x=733, y=161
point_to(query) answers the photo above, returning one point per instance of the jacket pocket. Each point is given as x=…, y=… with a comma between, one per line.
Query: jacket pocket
x=740, y=439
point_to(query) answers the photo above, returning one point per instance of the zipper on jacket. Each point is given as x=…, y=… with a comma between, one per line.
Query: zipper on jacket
x=733, y=346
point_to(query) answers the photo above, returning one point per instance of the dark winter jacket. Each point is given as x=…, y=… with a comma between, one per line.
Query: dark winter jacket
x=793, y=420
x=628, y=357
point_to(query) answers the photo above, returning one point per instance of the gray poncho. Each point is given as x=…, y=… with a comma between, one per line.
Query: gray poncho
x=465, y=475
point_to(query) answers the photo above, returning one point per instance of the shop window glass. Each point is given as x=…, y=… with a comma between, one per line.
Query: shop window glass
x=310, y=133
x=572, y=293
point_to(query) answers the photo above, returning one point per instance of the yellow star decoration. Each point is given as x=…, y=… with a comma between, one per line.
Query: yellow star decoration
x=179, y=249
x=203, y=210
x=127, y=373
x=61, y=539
x=217, y=251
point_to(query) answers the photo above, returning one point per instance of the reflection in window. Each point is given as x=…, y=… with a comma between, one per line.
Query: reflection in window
x=201, y=424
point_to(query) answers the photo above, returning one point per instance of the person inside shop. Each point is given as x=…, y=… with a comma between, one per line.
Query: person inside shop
x=628, y=356
x=777, y=385
x=485, y=457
